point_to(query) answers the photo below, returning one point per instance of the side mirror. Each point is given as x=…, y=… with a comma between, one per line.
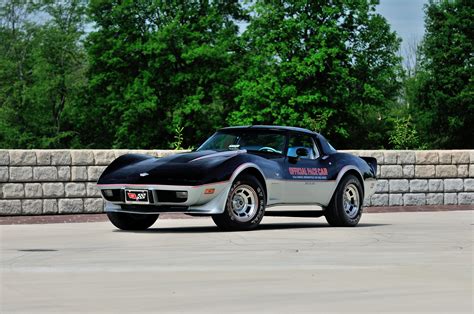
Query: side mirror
x=301, y=152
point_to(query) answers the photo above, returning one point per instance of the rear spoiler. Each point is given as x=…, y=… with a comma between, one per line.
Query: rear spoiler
x=372, y=162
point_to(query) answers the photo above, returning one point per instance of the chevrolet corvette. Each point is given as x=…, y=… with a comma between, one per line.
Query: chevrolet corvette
x=237, y=174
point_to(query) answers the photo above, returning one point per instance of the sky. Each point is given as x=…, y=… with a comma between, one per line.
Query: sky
x=406, y=17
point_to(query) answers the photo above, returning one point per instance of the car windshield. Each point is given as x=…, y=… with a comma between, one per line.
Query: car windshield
x=263, y=141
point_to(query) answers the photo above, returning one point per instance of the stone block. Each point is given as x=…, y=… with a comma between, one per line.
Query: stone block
x=82, y=157
x=446, y=171
x=60, y=158
x=469, y=185
x=31, y=207
x=22, y=158
x=13, y=190
x=444, y=157
x=50, y=206
x=435, y=185
x=408, y=171
x=414, y=199
x=406, y=157
x=53, y=189
x=79, y=173
x=45, y=173
x=463, y=171
x=92, y=190
x=43, y=157
x=471, y=171
x=103, y=157
x=379, y=200
x=424, y=171
x=64, y=173
x=419, y=185
x=75, y=189
x=390, y=157
x=3, y=174
x=460, y=157
x=450, y=199
x=5, y=158
x=33, y=190
x=466, y=198
x=21, y=174
x=70, y=205
x=434, y=199
x=373, y=153
x=400, y=185
x=93, y=205
x=395, y=200
x=10, y=207
x=426, y=157
x=453, y=185
x=382, y=186
x=391, y=171
x=94, y=172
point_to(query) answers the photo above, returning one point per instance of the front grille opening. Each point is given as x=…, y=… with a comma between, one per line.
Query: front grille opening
x=171, y=196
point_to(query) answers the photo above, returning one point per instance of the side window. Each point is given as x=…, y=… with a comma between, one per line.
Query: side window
x=302, y=141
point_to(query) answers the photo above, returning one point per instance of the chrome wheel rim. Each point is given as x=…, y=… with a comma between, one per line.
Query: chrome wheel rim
x=243, y=203
x=351, y=201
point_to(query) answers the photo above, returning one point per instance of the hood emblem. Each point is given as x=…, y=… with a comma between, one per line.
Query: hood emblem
x=144, y=174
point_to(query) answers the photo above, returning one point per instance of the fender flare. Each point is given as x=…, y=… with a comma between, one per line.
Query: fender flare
x=344, y=170
x=246, y=166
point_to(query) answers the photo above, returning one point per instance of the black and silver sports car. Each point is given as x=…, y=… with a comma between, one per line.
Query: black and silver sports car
x=235, y=175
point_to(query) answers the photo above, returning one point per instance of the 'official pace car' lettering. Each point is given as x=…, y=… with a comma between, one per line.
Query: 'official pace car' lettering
x=295, y=171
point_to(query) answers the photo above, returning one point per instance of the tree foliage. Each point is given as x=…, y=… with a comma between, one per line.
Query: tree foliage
x=42, y=67
x=157, y=65
x=167, y=73
x=329, y=66
x=443, y=94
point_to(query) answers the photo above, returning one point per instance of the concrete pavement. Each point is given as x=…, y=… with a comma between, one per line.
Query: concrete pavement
x=392, y=262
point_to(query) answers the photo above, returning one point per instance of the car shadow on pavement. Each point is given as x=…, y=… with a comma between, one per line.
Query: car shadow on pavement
x=262, y=227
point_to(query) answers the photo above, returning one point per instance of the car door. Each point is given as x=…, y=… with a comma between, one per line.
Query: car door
x=306, y=174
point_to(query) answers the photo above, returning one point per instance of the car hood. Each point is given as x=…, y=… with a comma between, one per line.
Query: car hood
x=181, y=169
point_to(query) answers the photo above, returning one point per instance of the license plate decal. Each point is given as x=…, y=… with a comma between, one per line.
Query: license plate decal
x=137, y=196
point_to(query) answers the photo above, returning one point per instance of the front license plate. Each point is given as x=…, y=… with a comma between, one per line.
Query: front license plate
x=137, y=196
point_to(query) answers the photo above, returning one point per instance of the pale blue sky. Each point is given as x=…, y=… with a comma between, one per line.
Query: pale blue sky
x=406, y=17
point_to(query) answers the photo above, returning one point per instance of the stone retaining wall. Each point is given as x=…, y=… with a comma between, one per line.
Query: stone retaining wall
x=35, y=182
x=444, y=177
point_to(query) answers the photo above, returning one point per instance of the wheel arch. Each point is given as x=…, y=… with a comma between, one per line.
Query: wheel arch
x=253, y=170
x=350, y=170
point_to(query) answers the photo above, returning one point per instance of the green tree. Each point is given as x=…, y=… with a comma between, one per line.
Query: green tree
x=444, y=88
x=330, y=66
x=42, y=68
x=158, y=65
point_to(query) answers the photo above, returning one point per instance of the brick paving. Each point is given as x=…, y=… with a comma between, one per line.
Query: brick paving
x=77, y=218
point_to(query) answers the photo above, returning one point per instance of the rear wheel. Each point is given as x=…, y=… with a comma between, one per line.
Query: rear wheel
x=127, y=221
x=345, y=208
x=245, y=205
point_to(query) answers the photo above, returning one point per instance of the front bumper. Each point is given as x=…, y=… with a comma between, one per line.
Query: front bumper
x=197, y=202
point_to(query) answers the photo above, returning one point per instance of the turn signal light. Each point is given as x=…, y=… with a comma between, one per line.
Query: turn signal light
x=209, y=191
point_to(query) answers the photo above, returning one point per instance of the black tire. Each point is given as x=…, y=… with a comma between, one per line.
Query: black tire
x=339, y=216
x=238, y=220
x=126, y=221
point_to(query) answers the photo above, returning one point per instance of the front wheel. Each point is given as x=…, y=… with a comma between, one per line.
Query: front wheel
x=345, y=208
x=245, y=205
x=127, y=221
